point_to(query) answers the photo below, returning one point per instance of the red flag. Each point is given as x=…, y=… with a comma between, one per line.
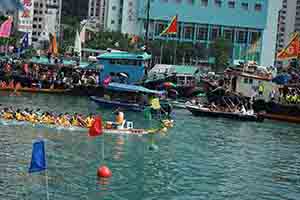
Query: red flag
x=172, y=27
x=96, y=128
x=25, y=68
x=292, y=50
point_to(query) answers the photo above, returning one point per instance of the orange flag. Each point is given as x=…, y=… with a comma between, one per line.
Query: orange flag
x=292, y=50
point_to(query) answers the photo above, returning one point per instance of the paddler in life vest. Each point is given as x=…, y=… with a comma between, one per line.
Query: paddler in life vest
x=63, y=120
x=74, y=120
x=89, y=121
x=120, y=118
x=7, y=114
x=19, y=116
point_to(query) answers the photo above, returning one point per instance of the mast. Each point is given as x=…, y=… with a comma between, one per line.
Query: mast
x=147, y=25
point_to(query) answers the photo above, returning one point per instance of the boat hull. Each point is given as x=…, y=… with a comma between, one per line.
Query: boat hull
x=236, y=116
x=37, y=90
x=115, y=104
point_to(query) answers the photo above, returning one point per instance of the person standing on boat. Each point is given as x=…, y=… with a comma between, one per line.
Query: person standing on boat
x=261, y=89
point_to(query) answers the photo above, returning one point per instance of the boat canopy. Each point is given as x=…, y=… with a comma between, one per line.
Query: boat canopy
x=124, y=55
x=132, y=88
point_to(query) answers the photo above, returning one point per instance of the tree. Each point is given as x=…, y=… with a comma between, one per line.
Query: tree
x=221, y=49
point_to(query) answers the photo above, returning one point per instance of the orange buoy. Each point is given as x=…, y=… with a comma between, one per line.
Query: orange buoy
x=104, y=172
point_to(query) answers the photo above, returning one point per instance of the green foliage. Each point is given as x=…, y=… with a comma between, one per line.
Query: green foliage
x=221, y=49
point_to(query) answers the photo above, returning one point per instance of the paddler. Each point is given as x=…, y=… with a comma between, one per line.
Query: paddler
x=19, y=116
x=63, y=120
x=89, y=120
x=7, y=114
x=74, y=120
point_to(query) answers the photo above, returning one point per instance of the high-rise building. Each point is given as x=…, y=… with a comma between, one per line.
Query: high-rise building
x=286, y=23
x=39, y=18
x=246, y=23
x=97, y=11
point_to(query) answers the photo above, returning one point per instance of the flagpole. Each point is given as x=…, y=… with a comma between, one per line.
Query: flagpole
x=47, y=184
x=103, y=148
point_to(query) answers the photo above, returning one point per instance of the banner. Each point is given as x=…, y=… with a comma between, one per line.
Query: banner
x=291, y=50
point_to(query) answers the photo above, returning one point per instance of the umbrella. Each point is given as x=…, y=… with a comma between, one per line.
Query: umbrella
x=123, y=74
x=169, y=85
x=201, y=95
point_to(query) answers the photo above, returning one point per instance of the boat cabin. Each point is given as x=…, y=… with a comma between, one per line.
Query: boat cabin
x=251, y=81
x=130, y=93
x=124, y=67
x=183, y=76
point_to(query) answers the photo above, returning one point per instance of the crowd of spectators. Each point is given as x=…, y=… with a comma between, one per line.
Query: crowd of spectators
x=55, y=76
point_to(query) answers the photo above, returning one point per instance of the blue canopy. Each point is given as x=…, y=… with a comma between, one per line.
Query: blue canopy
x=282, y=79
x=132, y=88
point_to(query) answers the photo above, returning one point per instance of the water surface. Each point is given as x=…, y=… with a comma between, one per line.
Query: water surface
x=200, y=158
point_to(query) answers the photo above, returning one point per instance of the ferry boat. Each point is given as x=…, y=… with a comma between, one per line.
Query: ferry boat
x=131, y=97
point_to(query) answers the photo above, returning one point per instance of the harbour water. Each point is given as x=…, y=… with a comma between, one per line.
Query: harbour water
x=200, y=158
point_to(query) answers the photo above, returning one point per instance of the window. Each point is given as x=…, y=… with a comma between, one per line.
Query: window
x=250, y=81
x=241, y=37
x=245, y=6
x=114, y=8
x=246, y=80
x=215, y=33
x=202, y=33
x=218, y=3
x=228, y=34
x=191, y=2
x=112, y=22
x=258, y=7
x=231, y=4
x=204, y=3
x=188, y=32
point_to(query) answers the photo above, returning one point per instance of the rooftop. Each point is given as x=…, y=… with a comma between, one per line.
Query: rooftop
x=124, y=55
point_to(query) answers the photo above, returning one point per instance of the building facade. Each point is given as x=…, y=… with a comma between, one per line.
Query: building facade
x=39, y=18
x=247, y=24
x=98, y=11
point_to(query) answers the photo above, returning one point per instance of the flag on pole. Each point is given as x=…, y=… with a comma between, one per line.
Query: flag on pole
x=292, y=50
x=172, y=27
x=5, y=28
x=77, y=45
x=38, y=158
x=53, y=44
x=96, y=128
x=25, y=41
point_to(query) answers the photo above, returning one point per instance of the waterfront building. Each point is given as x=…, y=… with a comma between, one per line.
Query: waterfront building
x=246, y=23
x=97, y=10
x=39, y=18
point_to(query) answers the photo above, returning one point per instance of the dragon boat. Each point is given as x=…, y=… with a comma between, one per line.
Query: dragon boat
x=121, y=126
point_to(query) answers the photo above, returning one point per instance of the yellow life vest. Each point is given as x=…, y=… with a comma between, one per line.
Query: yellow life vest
x=7, y=115
x=19, y=117
x=89, y=122
x=75, y=122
